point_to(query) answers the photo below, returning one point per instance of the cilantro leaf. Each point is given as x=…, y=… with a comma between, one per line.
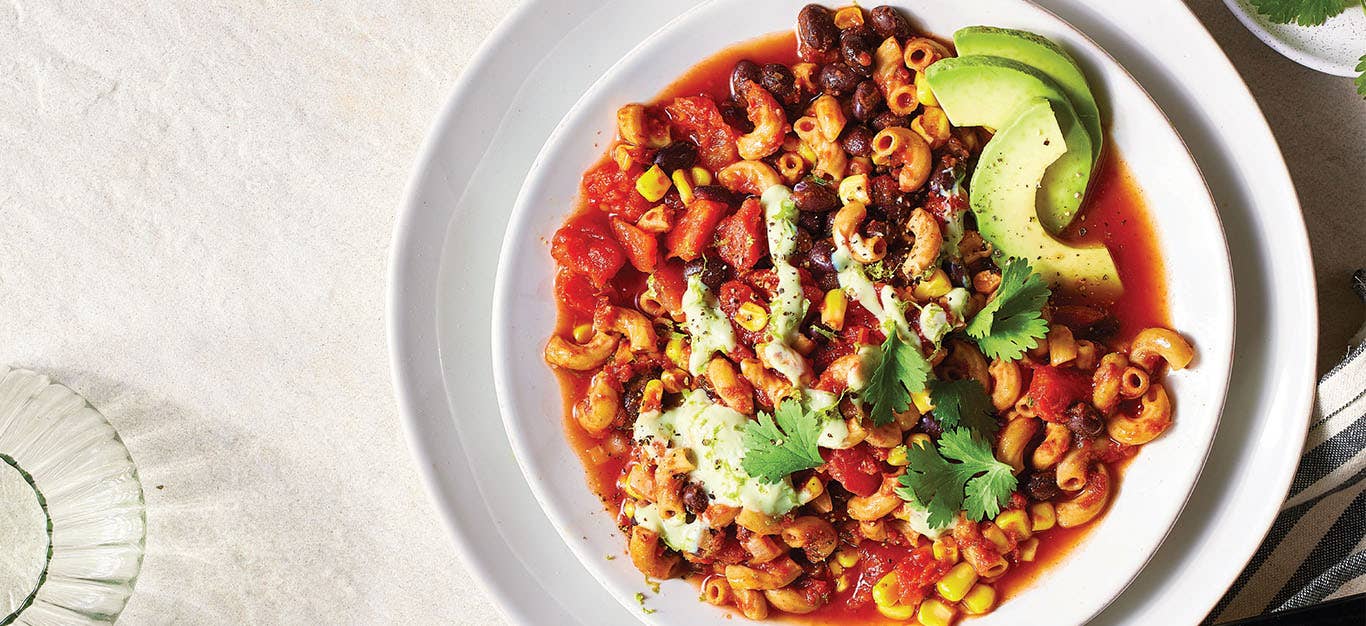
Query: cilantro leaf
x=773, y=451
x=963, y=403
x=977, y=484
x=902, y=372
x=1360, y=80
x=1302, y=12
x=1012, y=322
x=931, y=484
x=991, y=481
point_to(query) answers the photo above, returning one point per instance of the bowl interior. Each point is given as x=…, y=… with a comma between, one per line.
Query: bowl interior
x=1200, y=299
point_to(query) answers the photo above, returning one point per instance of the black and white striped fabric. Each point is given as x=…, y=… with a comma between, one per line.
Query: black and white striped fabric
x=1316, y=550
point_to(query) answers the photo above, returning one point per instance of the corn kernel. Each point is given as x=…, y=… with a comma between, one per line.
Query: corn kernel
x=886, y=590
x=899, y=612
x=653, y=184
x=628, y=508
x=945, y=549
x=751, y=317
x=675, y=380
x=656, y=220
x=897, y=456
x=1016, y=522
x=847, y=558
x=980, y=600
x=810, y=490
x=622, y=155
x=933, y=287
x=700, y=175
x=807, y=153
x=1029, y=549
x=848, y=16
x=854, y=189
x=922, y=401
x=842, y=584
x=923, y=91
x=683, y=185
x=955, y=584
x=583, y=332
x=1042, y=516
x=993, y=533
x=652, y=397
x=674, y=350
x=935, y=613
x=833, y=309
x=918, y=439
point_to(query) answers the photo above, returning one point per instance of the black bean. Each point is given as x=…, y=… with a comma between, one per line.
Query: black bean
x=838, y=79
x=828, y=281
x=816, y=28
x=883, y=190
x=930, y=426
x=1101, y=330
x=889, y=22
x=815, y=223
x=820, y=258
x=812, y=196
x=867, y=101
x=957, y=273
x=856, y=48
x=744, y=71
x=857, y=140
x=733, y=114
x=874, y=228
x=1085, y=420
x=888, y=119
x=695, y=498
x=1042, y=486
x=804, y=241
x=779, y=81
x=713, y=271
x=676, y=156
x=634, y=389
x=716, y=193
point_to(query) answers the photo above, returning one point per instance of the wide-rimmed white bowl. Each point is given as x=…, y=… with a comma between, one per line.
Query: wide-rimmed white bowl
x=1192, y=243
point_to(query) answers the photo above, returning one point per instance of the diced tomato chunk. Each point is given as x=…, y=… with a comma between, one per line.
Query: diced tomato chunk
x=583, y=245
x=697, y=118
x=918, y=571
x=693, y=232
x=740, y=238
x=576, y=292
x=875, y=561
x=856, y=468
x=1053, y=389
x=670, y=284
x=729, y=297
x=607, y=188
x=642, y=248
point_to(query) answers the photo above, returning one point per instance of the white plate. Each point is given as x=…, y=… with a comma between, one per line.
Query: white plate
x=1154, y=487
x=1335, y=47
x=443, y=259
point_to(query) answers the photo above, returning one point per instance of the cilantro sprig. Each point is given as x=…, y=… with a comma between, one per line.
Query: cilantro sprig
x=902, y=372
x=775, y=450
x=963, y=403
x=1360, y=80
x=1012, y=322
x=1302, y=12
x=976, y=483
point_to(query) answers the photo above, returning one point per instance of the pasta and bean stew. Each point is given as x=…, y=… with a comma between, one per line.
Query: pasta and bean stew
x=859, y=324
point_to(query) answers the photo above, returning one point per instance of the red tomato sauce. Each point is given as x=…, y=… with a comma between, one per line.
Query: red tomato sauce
x=1114, y=214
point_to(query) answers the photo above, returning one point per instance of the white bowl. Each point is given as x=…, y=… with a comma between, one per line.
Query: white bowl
x=1200, y=297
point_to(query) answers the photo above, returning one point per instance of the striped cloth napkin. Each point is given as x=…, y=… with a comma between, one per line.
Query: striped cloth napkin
x=1316, y=550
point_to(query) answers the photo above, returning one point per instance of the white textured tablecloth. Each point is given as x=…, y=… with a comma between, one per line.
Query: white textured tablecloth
x=196, y=202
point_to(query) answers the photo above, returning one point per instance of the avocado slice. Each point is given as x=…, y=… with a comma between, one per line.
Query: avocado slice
x=1041, y=54
x=991, y=91
x=1004, y=188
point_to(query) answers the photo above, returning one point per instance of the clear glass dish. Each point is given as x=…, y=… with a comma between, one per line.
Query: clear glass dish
x=72, y=514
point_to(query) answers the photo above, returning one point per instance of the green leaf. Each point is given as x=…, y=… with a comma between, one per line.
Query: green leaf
x=1302, y=12
x=989, y=481
x=977, y=483
x=902, y=372
x=774, y=451
x=1361, y=78
x=963, y=403
x=931, y=484
x=1012, y=323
